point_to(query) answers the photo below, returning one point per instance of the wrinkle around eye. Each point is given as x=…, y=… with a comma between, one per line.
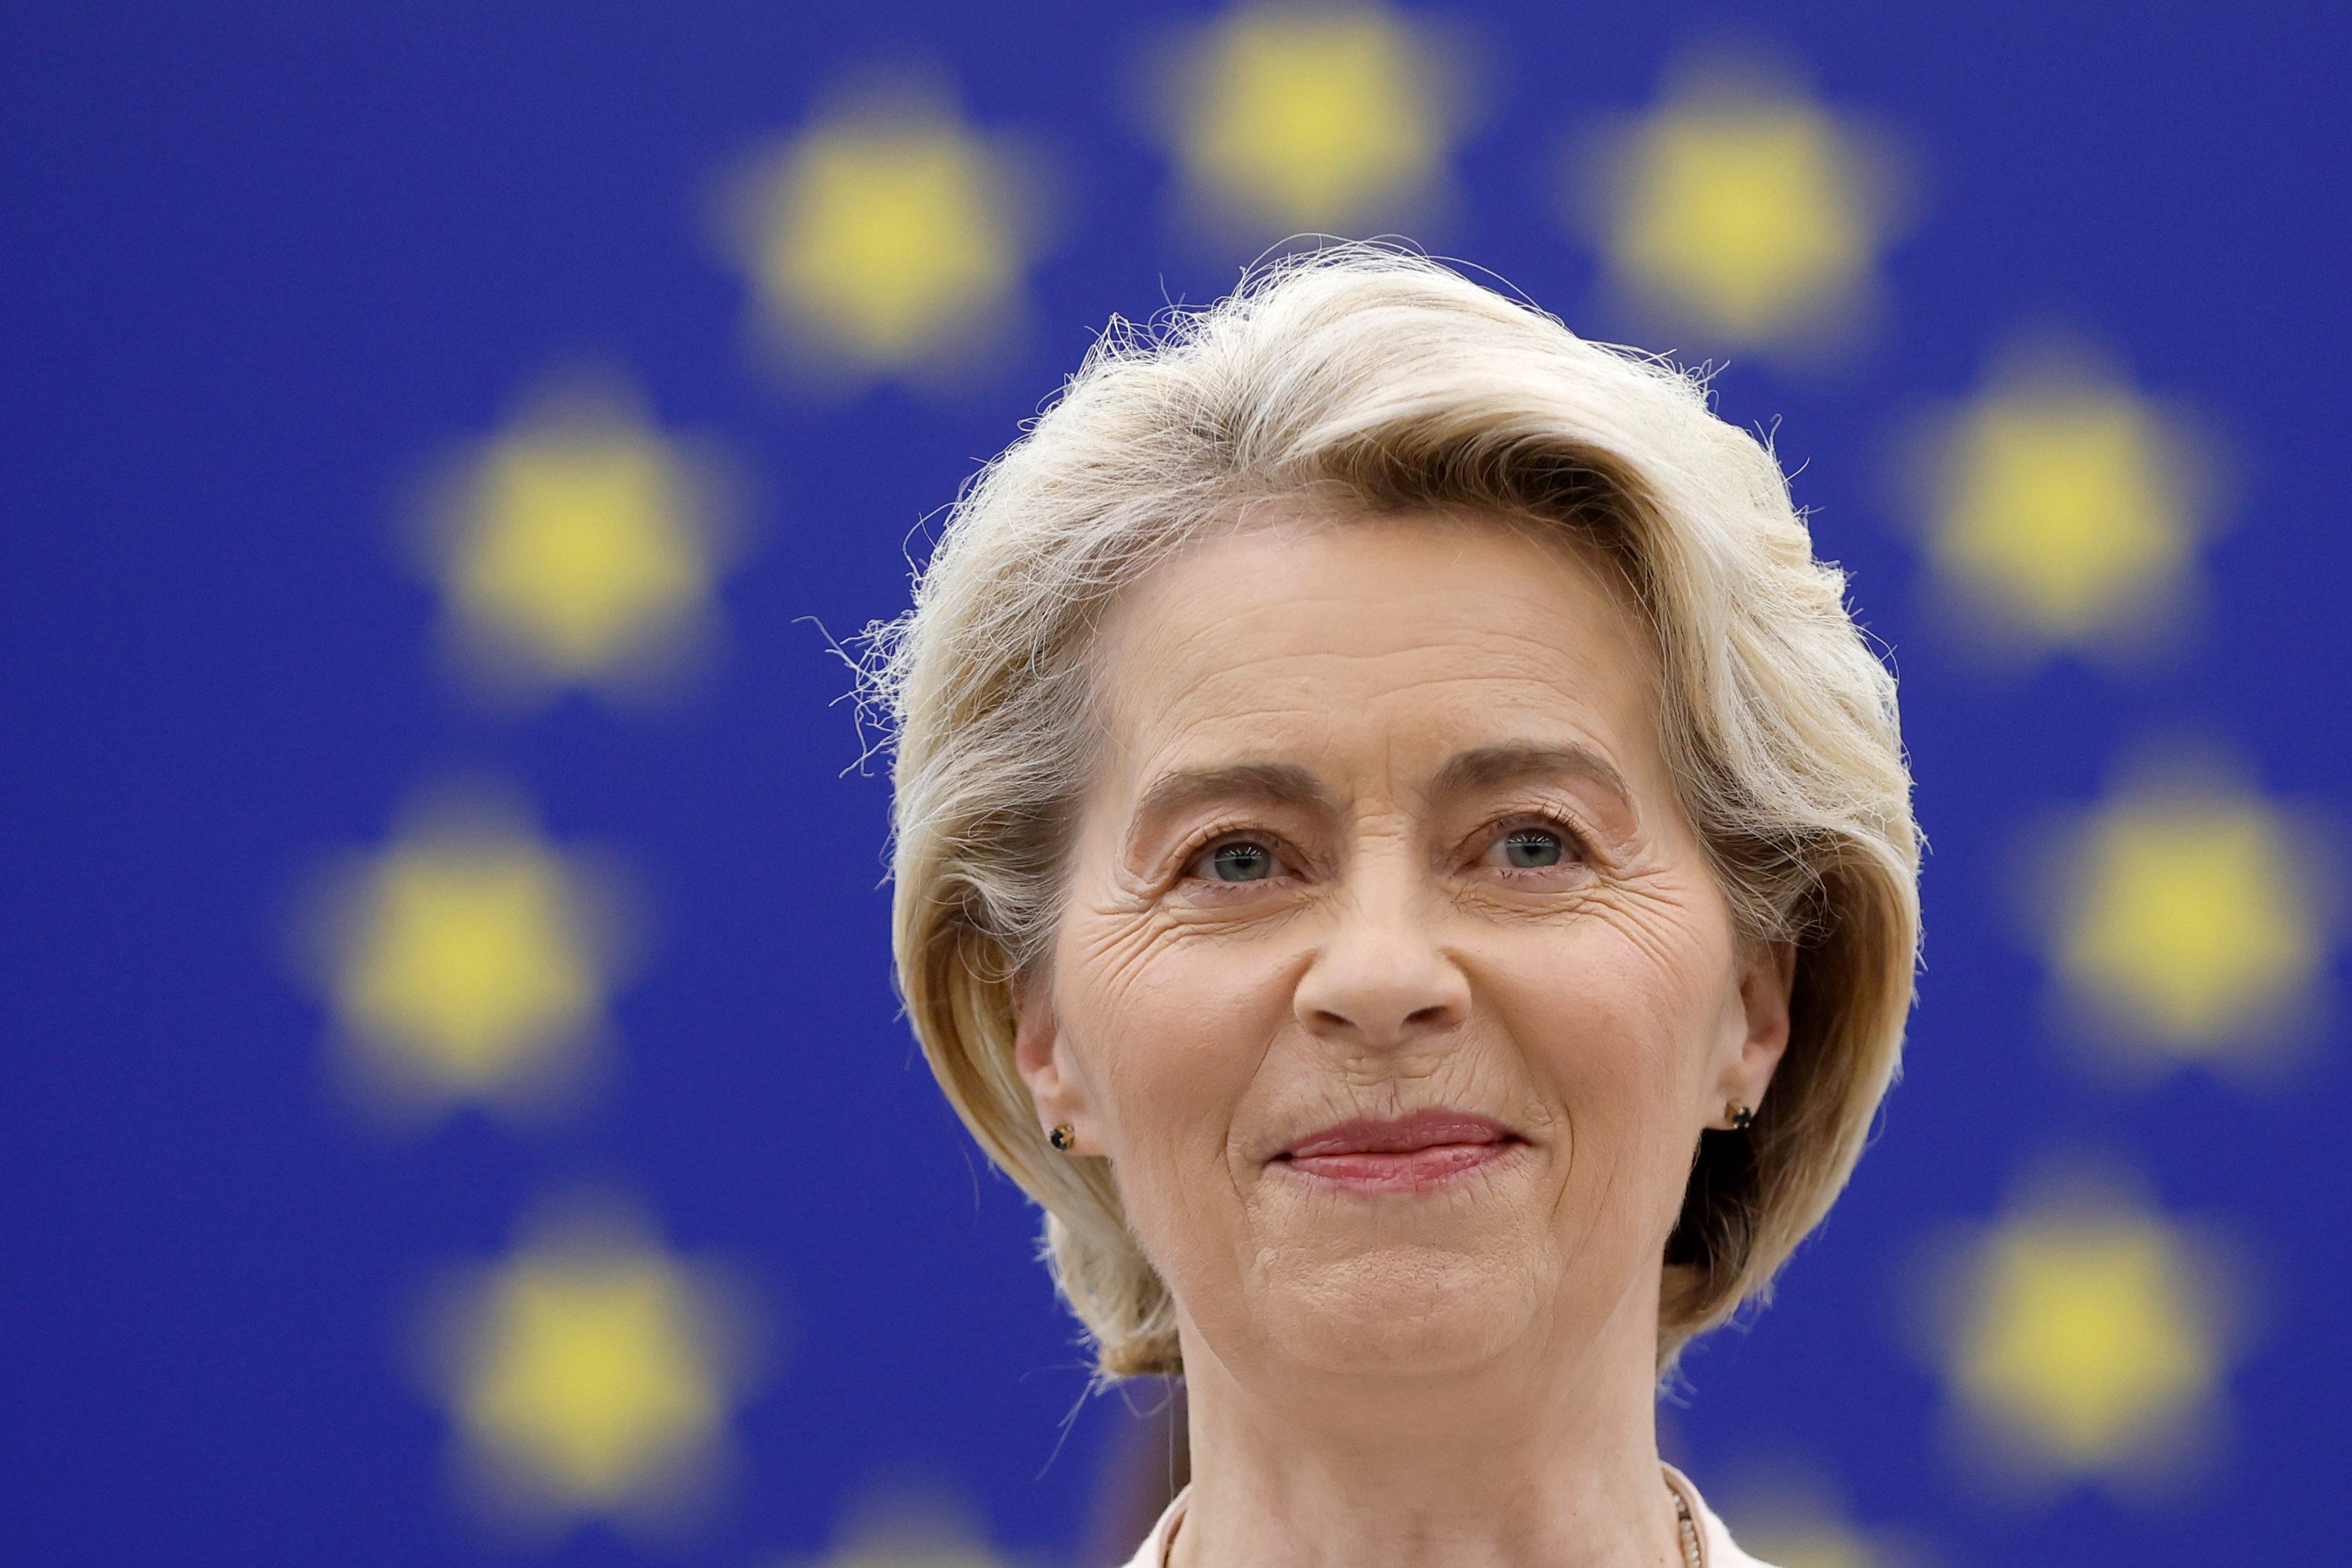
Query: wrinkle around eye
x=1496, y=899
x=1202, y=898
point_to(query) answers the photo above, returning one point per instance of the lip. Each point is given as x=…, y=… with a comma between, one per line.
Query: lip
x=1401, y=1153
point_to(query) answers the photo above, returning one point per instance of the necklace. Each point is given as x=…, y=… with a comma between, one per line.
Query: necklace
x=1688, y=1526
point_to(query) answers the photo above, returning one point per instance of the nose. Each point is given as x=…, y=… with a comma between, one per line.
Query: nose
x=1382, y=978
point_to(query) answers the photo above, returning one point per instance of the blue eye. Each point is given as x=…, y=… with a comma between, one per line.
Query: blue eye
x=1532, y=849
x=1240, y=862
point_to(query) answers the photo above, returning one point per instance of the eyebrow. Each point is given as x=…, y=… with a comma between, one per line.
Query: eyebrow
x=1486, y=767
x=1285, y=782
x=1490, y=767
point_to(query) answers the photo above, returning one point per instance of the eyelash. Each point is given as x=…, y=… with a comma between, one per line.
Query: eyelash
x=1572, y=838
x=1225, y=833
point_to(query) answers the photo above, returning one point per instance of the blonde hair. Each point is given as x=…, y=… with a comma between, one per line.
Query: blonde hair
x=1383, y=381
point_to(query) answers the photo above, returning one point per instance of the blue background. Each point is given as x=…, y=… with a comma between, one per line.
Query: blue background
x=259, y=261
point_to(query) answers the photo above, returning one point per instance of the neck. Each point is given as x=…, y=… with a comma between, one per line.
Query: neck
x=1544, y=1458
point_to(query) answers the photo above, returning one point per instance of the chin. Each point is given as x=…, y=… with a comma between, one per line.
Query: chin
x=1400, y=1309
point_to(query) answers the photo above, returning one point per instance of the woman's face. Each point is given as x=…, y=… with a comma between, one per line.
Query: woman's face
x=1390, y=978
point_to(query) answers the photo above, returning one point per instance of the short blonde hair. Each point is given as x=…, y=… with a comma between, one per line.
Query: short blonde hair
x=1369, y=378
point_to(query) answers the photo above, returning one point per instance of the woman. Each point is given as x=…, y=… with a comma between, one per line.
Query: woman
x=1402, y=852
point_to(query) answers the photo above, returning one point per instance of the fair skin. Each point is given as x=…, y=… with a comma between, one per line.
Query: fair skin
x=1380, y=826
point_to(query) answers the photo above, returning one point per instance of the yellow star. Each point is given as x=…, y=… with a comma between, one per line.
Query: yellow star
x=2087, y=1338
x=469, y=962
x=1328, y=118
x=887, y=238
x=590, y=1373
x=577, y=547
x=1790, y=1516
x=1812, y=1543
x=909, y=1530
x=2063, y=507
x=1743, y=211
x=2189, y=918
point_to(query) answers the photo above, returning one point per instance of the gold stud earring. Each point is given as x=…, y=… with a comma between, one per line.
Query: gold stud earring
x=1062, y=1137
x=1742, y=1116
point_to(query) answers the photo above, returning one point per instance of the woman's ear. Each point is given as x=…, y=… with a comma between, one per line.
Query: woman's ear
x=1042, y=1057
x=1767, y=974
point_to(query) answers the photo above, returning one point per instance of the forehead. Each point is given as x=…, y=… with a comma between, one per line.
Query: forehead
x=1416, y=636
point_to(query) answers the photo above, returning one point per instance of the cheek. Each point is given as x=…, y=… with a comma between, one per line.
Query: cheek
x=1170, y=1028
x=1616, y=1024
x=1172, y=1038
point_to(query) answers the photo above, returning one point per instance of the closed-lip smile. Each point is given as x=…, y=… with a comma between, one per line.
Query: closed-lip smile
x=1401, y=1153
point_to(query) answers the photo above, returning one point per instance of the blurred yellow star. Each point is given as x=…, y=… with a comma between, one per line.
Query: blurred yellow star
x=2087, y=1337
x=1792, y=1517
x=887, y=236
x=470, y=961
x=591, y=1372
x=2061, y=508
x=909, y=1530
x=1313, y=117
x=1742, y=210
x=2189, y=918
x=578, y=548
x=1809, y=1543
